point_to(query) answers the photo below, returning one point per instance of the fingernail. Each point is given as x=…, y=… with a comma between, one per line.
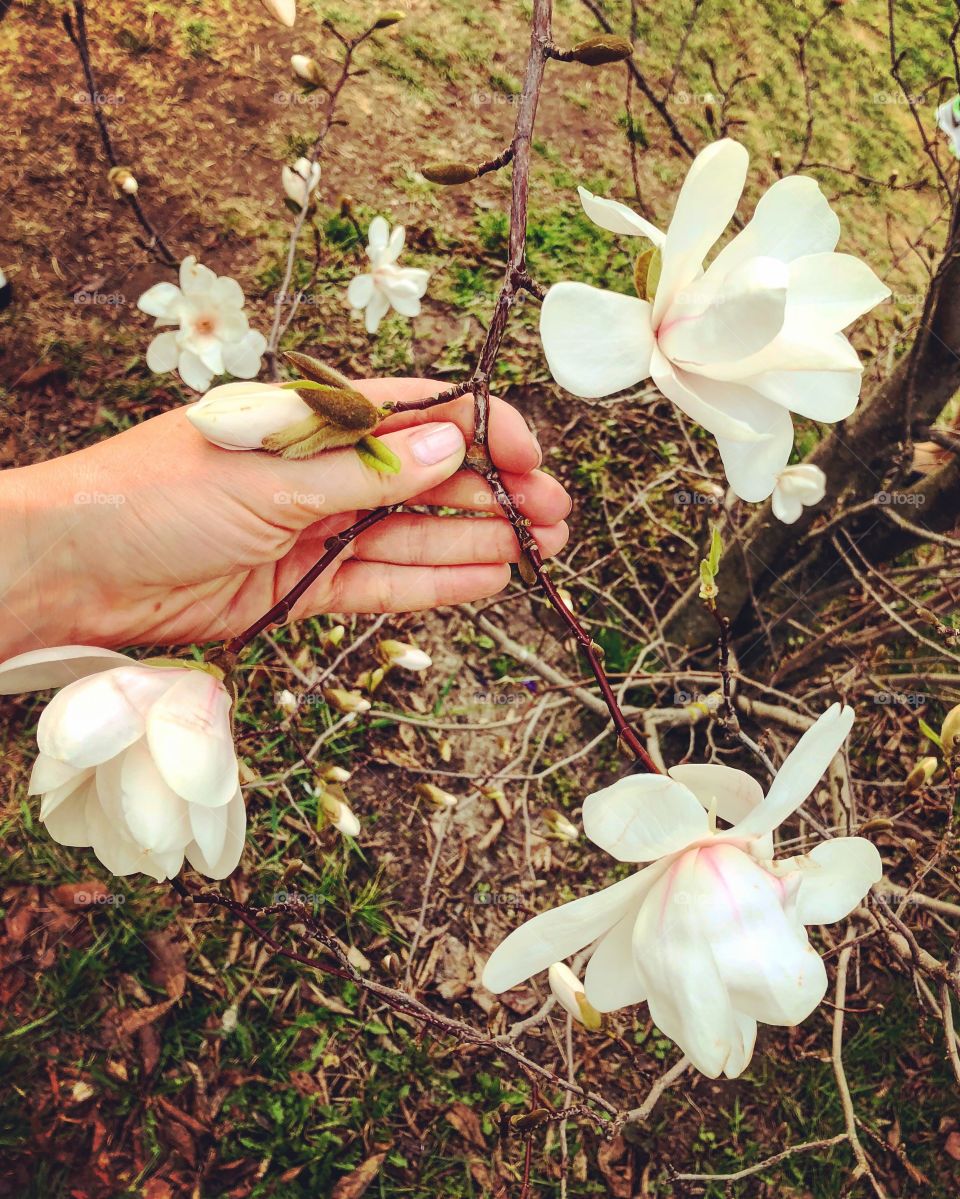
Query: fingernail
x=436, y=442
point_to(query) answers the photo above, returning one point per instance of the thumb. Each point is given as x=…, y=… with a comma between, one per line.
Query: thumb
x=338, y=481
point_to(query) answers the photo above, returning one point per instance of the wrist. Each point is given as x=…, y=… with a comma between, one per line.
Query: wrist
x=40, y=587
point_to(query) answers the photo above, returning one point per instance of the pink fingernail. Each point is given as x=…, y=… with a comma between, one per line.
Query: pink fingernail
x=436, y=442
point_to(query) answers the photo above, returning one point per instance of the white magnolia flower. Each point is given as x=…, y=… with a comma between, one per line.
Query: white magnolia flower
x=238, y=416
x=386, y=285
x=569, y=993
x=797, y=487
x=300, y=180
x=711, y=935
x=948, y=119
x=213, y=336
x=284, y=11
x=737, y=347
x=401, y=653
x=136, y=761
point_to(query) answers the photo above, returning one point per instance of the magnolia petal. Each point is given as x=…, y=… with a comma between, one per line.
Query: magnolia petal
x=834, y=878
x=66, y=823
x=208, y=829
x=193, y=372
x=828, y=292
x=394, y=246
x=242, y=358
x=110, y=843
x=50, y=773
x=596, y=342
x=798, y=487
x=51, y=801
x=227, y=292
x=418, y=277
x=726, y=323
x=793, y=349
x=156, y=817
x=786, y=506
x=707, y=200
x=378, y=235
x=686, y=993
x=162, y=301
x=772, y=971
x=96, y=718
x=800, y=772
x=39, y=669
x=617, y=217
x=792, y=218
x=375, y=311
x=195, y=278
x=820, y=395
x=188, y=731
x=208, y=349
x=643, y=817
x=612, y=981
x=163, y=353
x=236, y=418
x=742, y=1052
x=729, y=792
x=408, y=306
x=729, y=411
x=558, y=933
x=752, y=470
x=233, y=840
x=360, y=291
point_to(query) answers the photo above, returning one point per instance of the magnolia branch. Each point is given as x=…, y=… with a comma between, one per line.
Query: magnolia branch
x=77, y=34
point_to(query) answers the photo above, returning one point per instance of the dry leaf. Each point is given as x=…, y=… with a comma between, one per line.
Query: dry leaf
x=466, y=1121
x=352, y=1186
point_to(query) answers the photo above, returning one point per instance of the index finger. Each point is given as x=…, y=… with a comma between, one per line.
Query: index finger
x=512, y=446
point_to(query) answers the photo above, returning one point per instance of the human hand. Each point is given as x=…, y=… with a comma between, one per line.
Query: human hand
x=157, y=537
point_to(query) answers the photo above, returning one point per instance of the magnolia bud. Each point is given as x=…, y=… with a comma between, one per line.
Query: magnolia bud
x=950, y=730
x=386, y=19
x=370, y=680
x=920, y=775
x=777, y=160
x=287, y=702
x=238, y=416
x=449, y=172
x=390, y=963
x=123, y=181
x=305, y=68
x=284, y=11
x=436, y=796
x=710, y=110
x=339, y=814
x=569, y=993
x=560, y=827
x=300, y=181
x=401, y=653
x=334, y=636
x=599, y=50
x=349, y=702
x=336, y=774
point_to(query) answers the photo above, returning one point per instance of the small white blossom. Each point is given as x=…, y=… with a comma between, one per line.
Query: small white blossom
x=213, y=334
x=569, y=993
x=712, y=934
x=300, y=180
x=136, y=760
x=948, y=120
x=797, y=487
x=386, y=285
